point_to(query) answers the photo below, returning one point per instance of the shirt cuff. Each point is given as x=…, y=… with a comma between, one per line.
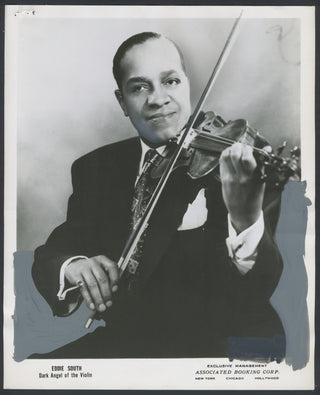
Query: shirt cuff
x=242, y=248
x=63, y=292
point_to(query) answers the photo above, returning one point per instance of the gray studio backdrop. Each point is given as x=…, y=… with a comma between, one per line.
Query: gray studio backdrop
x=66, y=104
x=66, y=107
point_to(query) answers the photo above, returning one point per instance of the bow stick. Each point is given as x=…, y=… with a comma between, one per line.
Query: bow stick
x=144, y=220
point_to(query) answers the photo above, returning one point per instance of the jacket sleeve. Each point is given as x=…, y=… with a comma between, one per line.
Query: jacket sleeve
x=98, y=215
x=244, y=299
x=263, y=278
x=259, y=283
x=65, y=241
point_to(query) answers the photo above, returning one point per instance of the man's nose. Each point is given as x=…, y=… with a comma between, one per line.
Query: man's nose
x=158, y=97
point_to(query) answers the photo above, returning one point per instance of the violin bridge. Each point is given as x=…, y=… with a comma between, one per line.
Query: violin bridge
x=187, y=142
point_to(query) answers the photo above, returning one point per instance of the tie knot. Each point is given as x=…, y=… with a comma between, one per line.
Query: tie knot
x=150, y=155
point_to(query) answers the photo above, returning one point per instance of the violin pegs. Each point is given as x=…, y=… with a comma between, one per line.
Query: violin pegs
x=295, y=152
x=281, y=148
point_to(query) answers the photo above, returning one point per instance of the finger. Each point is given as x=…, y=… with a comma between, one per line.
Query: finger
x=103, y=283
x=235, y=158
x=94, y=290
x=247, y=162
x=226, y=166
x=86, y=295
x=112, y=269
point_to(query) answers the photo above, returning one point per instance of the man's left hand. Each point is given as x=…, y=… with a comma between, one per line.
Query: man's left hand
x=242, y=194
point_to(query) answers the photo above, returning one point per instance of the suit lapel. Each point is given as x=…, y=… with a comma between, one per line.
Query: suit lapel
x=167, y=216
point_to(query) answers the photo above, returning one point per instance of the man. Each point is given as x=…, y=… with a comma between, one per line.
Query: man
x=208, y=263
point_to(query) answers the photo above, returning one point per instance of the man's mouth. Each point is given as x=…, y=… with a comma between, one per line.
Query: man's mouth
x=160, y=116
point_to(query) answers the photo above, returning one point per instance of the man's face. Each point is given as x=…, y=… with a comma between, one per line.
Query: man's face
x=155, y=91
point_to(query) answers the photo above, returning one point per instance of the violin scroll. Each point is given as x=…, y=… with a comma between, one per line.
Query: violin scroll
x=276, y=170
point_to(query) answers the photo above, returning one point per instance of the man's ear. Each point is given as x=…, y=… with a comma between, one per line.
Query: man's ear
x=119, y=97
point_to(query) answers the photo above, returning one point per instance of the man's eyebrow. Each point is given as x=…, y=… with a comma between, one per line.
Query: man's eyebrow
x=137, y=79
x=133, y=80
x=165, y=74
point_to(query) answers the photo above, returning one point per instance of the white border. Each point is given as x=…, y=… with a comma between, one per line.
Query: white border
x=149, y=374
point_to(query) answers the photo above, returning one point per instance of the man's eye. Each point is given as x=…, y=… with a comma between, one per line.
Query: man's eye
x=139, y=88
x=172, y=81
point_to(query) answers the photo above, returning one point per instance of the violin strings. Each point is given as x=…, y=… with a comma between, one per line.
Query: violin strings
x=229, y=142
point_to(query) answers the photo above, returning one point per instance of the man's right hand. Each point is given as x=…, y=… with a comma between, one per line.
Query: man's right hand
x=99, y=277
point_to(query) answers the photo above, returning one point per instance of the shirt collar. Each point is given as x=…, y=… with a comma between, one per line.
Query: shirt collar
x=144, y=149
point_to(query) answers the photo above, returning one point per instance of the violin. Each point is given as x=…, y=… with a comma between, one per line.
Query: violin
x=199, y=147
x=212, y=134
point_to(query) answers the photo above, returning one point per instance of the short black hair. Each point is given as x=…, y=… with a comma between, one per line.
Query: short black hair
x=136, y=39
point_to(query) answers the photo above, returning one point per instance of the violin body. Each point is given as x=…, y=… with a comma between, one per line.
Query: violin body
x=207, y=150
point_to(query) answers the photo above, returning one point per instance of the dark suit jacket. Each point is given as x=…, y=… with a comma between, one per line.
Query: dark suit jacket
x=189, y=299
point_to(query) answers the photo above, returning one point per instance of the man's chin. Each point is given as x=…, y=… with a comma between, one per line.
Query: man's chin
x=159, y=141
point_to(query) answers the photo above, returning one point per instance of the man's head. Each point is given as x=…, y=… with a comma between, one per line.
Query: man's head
x=153, y=89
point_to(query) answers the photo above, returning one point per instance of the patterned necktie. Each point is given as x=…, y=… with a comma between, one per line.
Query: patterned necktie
x=142, y=194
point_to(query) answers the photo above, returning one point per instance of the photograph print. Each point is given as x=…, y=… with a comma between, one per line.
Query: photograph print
x=161, y=199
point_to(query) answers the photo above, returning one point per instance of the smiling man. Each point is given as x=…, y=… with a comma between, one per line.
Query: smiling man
x=201, y=278
x=154, y=90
